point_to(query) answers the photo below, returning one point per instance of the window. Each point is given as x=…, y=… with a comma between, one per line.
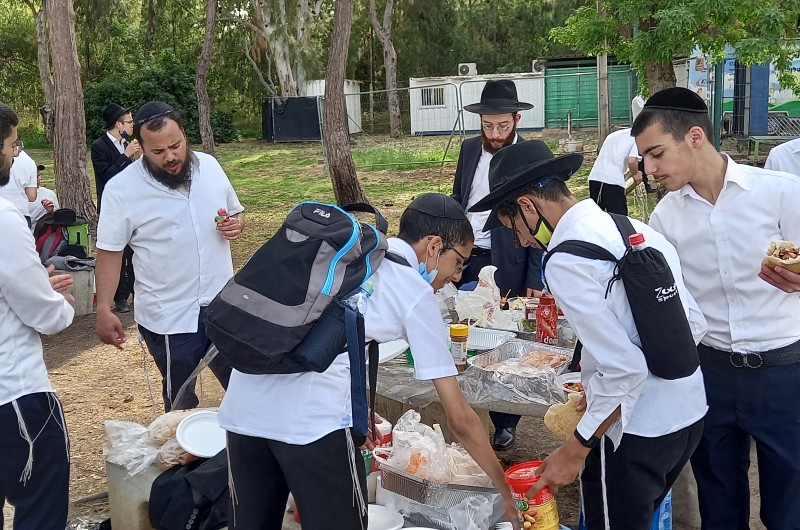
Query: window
x=433, y=97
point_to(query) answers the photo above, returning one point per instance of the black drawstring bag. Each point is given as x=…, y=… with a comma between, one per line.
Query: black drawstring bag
x=667, y=341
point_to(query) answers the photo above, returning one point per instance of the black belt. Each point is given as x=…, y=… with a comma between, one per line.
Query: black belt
x=478, y=251
x=778, y=357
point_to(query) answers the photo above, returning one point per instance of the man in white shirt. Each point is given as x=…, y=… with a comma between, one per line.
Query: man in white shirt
x=45, y=202
x=292, y=432
x=34, y=460
x=785, y=157
x=519, y=273
x=638, y=430
x=164, y=207
x=21, y=188
x=721, y=217
x=607, y=177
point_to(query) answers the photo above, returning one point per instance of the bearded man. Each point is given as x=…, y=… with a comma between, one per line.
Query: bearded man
x=518, y=272
x=165, y=206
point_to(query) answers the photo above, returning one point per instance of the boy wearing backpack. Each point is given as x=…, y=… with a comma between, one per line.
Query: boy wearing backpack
x=292, y=432
x=638, y=430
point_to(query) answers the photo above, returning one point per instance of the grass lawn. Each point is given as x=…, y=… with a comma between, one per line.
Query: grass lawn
x=271, y=178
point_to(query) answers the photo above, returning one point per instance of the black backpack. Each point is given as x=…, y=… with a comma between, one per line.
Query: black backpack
x=291, y=308
x=667, y=341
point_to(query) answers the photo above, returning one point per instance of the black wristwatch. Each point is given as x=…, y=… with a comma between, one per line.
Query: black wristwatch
x=591, y=443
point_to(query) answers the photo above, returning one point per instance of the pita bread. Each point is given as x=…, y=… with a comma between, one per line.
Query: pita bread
x=562, y=419
x=772, y=260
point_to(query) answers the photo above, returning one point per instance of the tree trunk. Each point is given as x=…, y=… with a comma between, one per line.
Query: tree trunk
x=200, y=84
x=151, y=25
x=384, y=34
x=278, y=44
x=660, y=75
x=342, y=169
x=69, y=138
x=45, y=74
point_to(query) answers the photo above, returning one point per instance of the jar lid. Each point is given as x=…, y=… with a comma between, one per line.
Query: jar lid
x=459, y=330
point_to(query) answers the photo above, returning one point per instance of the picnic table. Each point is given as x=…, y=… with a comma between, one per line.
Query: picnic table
x=754, y=144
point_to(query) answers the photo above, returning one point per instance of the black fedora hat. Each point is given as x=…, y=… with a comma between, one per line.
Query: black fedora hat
x=519, y=166
x=498, y=97
x=112, y=113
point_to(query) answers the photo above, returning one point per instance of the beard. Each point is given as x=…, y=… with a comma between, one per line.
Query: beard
x=491, y=145
x=5, y=171
x=173, y=180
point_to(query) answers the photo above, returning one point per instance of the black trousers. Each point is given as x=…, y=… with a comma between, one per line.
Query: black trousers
x=746, y=405
x=476, y=263
x=319, y=475
x=126, y=276
x=638, y=475
x=609, y=197
x=41, y=498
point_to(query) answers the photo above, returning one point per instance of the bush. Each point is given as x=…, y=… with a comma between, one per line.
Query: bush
x=222, y=122
x=166, y=80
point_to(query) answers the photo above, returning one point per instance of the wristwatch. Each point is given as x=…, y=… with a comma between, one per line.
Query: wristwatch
x=591, y=443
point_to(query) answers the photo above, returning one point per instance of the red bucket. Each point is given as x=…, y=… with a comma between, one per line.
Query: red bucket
x=520, y=478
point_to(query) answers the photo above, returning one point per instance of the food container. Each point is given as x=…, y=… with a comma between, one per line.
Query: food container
x=564, y=379
x=539, y=513
x=482, y=339
x=422, y=490
x=532, y=385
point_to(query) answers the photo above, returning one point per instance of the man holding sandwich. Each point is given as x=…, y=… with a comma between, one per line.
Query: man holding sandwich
x=722, y=217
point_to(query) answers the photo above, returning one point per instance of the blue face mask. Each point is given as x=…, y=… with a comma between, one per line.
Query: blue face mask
x=429, y=276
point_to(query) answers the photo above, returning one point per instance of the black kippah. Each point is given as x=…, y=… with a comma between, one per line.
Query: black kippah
x=438, y=205
x=152, y=110
x=677, y=98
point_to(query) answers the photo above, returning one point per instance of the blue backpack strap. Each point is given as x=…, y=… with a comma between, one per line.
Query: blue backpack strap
x=356, y=343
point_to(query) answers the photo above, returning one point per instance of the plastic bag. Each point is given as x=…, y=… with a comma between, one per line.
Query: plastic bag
x=481, y=304
x=129, y=445
x=418, y=449
x=163, y=428
x=463, y=469
x=172, y=454
x=473, y=513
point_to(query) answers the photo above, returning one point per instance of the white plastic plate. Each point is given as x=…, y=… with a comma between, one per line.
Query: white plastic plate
x=487, y=339
x=200, y=434
x=390, y=350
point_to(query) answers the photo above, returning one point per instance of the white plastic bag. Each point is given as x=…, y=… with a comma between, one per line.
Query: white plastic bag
x=463, y=468
x=418, y=449
x=481, y=304
x=473, y=513
x=129, y=445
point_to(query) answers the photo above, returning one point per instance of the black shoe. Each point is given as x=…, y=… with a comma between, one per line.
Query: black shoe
x=121, y=307
x=504, y=438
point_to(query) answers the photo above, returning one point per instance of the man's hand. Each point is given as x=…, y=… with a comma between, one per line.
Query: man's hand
x=133, y=149
x=371, y=436
x=783, y=279
x=109, y=328
x=230, y=227
x=511, y=513
x=638, y=177
x=532, y=293
x=562, y=467
x=48, y=205
x=59, y=282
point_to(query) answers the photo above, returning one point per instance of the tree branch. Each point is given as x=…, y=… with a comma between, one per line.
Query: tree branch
x=270, y=87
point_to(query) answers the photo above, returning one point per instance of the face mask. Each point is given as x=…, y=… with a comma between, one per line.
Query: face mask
x=542, y=233
x=429, y=276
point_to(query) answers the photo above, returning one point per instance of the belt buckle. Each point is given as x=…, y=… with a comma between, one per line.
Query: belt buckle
x=742, y=360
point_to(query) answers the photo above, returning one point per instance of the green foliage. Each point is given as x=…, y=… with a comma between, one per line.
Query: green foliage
x=381, y=158
x=166, y=80
x=222, y=123
x=759, y=30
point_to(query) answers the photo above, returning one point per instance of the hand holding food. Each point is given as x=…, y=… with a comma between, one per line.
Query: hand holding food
x=783, y=254
x=222, y=215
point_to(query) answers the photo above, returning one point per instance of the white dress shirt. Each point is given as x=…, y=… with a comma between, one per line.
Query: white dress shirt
x=180, y=259
x=613, y=368
x=302, y=408
x=23, y=175
x=119, y=144
x=35, y=209
x=479, y=190
x=612, y=160
x=28, y=306
x=785, y=157
x=721, y=247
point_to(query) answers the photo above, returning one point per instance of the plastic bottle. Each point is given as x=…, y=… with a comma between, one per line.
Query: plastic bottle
x=636, y=241
x=547, y=320
x=459, y=333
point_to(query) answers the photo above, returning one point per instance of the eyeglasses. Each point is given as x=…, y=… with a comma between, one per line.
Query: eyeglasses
x=17, y=147
x=502, y=128
x=464, y=260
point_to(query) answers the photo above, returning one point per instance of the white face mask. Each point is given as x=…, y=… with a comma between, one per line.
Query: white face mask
x=429, y=276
